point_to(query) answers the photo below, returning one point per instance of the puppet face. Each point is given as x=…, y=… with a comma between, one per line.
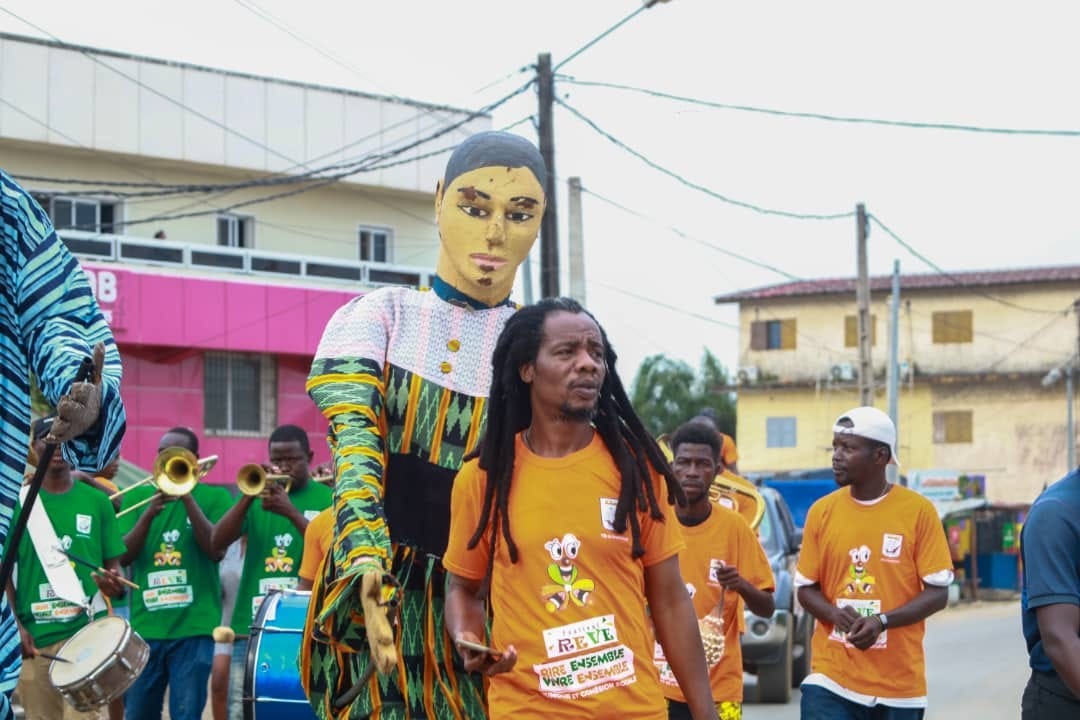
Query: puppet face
x=488, y=221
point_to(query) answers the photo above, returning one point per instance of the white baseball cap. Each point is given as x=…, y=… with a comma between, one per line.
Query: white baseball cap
x=872, y=424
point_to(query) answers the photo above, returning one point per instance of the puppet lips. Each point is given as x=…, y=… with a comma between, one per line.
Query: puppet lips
x=487, y=262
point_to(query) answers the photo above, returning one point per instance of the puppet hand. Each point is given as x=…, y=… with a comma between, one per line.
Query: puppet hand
x=79, y=409
x=376, y=619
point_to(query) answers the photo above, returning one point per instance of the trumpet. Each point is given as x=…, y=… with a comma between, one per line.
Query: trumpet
x=728, y=489
x=252, y=478
x=176, y=472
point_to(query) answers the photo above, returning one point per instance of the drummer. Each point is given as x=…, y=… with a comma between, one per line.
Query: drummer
x=172, y=559
x=273, y=526
x=79, y=519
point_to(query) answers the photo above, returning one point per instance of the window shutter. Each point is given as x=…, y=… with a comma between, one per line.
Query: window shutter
x=758, y=335
x=787, y=334
x=851, y=331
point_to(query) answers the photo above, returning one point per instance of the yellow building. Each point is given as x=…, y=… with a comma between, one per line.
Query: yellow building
x=973, y=350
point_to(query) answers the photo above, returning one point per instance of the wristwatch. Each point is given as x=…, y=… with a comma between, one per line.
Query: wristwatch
x=884, y=620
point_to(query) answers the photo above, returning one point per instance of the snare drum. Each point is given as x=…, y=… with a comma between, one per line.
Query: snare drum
x=272, y=689
x=105, y=658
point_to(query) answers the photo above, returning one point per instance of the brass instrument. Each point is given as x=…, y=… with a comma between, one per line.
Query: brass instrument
x=176, y=472
x=252, y=479
x=730, y=490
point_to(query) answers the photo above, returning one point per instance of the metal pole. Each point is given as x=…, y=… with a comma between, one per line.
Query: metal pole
x=576, y=240
x=894, y=360
x=862, y=298
x=1070, y=428
x=549, y=229
x=526, y=280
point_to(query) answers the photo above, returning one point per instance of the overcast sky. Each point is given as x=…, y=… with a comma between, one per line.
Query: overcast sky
x=966, y=200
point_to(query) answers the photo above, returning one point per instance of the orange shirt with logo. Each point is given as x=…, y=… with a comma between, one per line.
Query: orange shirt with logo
x=723, y=538
x=318, y=539
x=574, y=603
x=873, y=557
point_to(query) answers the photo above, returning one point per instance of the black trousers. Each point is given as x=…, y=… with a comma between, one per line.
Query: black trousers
x=1047, y=698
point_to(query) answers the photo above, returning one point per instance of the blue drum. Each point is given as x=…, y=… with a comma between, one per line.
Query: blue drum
x=272, y=688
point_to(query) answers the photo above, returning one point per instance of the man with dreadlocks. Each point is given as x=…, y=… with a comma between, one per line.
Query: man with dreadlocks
x=403, y=376
x=566, y=514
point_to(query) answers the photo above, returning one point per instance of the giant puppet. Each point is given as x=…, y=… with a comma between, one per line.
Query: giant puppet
x=402, y=376
x=49, y=322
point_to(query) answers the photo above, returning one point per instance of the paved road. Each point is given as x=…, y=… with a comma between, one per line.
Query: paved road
x=976, y=666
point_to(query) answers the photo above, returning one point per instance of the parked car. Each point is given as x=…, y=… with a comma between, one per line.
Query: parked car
x=777, y=648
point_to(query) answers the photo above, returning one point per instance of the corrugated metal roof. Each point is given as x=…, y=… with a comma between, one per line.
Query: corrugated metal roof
x=929, y=281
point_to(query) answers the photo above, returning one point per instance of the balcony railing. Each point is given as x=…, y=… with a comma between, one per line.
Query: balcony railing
x=163, y=253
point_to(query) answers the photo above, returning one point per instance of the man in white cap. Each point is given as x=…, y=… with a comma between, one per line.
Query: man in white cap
x=874, y=565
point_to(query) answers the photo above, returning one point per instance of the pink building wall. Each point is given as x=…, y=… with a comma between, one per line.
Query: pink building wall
x=163, y=324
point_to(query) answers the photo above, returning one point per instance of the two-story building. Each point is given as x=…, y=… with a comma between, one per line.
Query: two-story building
x=973, y=349
x=222, y=218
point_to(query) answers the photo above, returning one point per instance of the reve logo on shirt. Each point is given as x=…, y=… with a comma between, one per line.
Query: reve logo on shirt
x=83, y=523
x=891, y=545
x=607, y=513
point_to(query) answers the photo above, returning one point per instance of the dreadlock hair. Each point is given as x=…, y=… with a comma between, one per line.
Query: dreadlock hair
x=510, y=412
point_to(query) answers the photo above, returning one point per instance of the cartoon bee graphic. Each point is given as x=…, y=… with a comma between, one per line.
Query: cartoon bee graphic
x=859, y=579
x=563, y=573
x=168, y=554
x=279, y=560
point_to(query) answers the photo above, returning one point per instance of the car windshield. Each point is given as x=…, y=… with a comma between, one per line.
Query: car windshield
x=765, y=531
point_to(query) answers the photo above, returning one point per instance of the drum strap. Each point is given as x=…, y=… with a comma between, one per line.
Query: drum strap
x=65, y=583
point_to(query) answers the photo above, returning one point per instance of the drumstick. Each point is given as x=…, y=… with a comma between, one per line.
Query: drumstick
x=122, y=580
x=47, y=656
x=477, y=647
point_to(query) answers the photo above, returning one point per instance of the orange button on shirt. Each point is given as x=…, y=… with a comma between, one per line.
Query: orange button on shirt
x=873, y=557
x=574, y=604
x=318, y=539
x=724, y=537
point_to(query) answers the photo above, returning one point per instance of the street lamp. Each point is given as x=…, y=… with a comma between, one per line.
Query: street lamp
x=1070, y=432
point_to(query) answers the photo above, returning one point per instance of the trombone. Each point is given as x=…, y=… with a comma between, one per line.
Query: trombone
x=176, y=472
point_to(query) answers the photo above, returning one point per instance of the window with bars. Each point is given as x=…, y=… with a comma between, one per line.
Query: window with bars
x=953, y=426
x=240, y=394
x=851, y=330
x=953, y=326
x=780, y=432
x=80, y=213
x=773, y=334
x=375, y=244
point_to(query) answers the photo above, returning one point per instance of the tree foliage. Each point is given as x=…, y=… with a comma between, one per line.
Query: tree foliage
x=667, y=393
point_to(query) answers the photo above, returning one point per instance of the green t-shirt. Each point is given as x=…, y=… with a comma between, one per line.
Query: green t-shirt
x=273, y=552
x=85, y=524
x=181, y=588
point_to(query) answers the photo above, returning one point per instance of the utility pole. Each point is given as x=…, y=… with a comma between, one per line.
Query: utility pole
x=862, y=299
x=576, y=240
x=549, y=229
x=893, y=378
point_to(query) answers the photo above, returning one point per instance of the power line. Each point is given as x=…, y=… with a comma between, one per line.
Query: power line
x=666, y=306
x=823, y=116
x=701, y=188
x=687, y=236
x=644, y=6
x=957, y=281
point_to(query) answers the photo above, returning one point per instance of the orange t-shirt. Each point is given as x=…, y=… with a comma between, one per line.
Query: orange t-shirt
x=318, y=539
x=729, y=454
x=574, y=603
x=723, y=537
x=873, y=557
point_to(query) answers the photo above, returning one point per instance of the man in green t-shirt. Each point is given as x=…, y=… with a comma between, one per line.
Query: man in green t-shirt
x=171, y=557
x=85, y=524
x=273, y=529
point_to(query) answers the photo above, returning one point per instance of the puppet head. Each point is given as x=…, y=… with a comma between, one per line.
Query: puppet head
x=489, y=205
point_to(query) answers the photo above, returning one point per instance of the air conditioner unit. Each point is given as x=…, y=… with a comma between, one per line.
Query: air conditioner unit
x=842, y=372
x=748, y=375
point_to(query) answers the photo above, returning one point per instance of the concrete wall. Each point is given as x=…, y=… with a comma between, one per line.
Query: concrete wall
x=322, y=222
x=1006, y=339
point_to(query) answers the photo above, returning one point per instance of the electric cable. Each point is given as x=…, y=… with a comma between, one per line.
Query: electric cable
x=701, y=188
x=911, y=124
